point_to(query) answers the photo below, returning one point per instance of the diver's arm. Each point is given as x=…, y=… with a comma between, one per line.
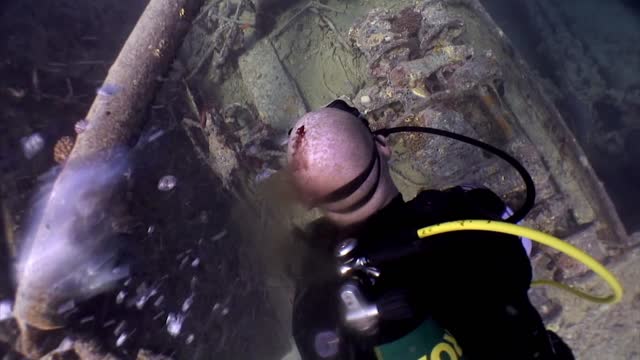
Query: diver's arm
x=316, y=327
x=316, y=323
x=478, y=284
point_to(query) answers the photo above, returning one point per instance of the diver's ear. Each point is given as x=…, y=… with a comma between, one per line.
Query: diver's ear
x=383, y=146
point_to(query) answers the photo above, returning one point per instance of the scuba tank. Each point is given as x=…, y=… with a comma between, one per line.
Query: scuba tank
x=426, y=340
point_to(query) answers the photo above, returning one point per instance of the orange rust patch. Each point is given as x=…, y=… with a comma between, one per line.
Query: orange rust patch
x=62, y=149
x=491, y=103
x=408, y=20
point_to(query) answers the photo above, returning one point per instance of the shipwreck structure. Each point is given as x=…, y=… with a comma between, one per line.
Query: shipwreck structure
x=220, y=114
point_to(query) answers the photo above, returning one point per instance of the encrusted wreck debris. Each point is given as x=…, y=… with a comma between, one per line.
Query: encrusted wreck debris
x=449, y=66
x=456, y=70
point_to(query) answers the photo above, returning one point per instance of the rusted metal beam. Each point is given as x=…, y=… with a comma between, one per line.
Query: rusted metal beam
x=115, y=119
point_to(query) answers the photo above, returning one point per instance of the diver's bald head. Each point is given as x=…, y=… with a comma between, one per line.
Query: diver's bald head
x=330, y=149
x=328, y=140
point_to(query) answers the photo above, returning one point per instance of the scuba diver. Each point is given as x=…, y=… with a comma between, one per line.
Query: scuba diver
x=368, y=289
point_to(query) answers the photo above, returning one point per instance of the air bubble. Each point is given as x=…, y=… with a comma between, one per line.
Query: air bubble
x=167, y=183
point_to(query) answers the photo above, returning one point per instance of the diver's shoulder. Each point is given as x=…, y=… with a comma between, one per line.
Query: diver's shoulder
x=458, y=201
x=429, y=200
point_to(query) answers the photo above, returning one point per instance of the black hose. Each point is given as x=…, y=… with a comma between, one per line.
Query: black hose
x=526, y=177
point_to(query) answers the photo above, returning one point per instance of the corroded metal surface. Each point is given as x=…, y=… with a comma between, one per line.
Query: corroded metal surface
x=458, y=72
x=265, y=77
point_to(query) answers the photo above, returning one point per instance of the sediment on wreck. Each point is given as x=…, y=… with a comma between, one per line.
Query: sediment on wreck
x=446, y=64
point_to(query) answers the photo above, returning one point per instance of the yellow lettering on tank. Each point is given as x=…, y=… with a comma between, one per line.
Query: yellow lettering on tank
x=454, y=342
x=443, y=347
x=424, y=357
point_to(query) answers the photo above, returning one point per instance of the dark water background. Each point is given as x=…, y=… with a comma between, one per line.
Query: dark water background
x=589, y=52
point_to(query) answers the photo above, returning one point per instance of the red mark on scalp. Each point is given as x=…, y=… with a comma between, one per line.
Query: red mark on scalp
x=298, y=160
x=300, y=133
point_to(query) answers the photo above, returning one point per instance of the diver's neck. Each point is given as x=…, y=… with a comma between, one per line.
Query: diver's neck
x=390, y=197
x=362, y=216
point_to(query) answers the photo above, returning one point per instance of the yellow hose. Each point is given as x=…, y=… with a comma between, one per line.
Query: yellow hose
x=542, y=238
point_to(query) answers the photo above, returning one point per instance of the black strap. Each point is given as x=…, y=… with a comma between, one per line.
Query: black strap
x=365, y=199
x=349, y=188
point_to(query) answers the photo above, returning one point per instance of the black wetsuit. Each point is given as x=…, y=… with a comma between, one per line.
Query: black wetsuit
x=474, y=284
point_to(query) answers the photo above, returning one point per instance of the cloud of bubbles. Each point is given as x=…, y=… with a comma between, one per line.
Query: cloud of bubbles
x=70, y=249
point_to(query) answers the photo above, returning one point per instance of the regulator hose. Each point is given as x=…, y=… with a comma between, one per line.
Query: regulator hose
x=542, y=238
x=520, y=213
